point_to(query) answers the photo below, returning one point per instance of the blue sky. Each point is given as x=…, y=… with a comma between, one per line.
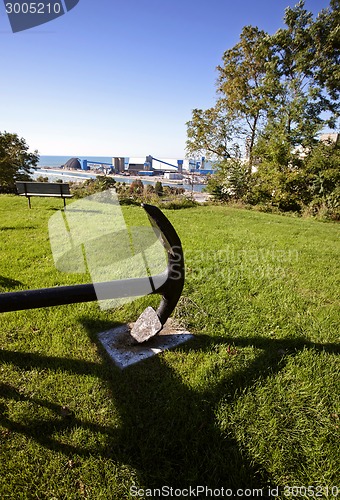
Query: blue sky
x=121, y=77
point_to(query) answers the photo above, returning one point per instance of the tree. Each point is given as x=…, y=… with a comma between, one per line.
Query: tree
x=231, y=180
x=322, y=168
x=325, y=34
x=16, y=161
x=279, y=179
x=276, y=93
x=307, y=99
x=212, y=133
x=306, y=102
x=245, y=89
x=245, y=82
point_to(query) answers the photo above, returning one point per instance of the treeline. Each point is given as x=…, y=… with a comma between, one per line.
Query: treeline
x=275, y=95
x=16, y=162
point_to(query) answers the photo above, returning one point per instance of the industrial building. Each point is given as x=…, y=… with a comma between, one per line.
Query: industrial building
x=159, y=166
x=149, y=166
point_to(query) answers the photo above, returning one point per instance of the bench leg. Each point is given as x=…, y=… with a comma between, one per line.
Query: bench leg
x=29, y=201
x=64, y=200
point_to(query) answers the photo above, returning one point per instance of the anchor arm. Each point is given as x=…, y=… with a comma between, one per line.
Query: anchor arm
x=170, y=288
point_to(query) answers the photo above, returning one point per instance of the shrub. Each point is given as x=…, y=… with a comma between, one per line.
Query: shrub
x=231, y=180
x=179, y=203
x=92, y=186
x=327, y=208
x=159, y=188
x=136, y=187
x=134, y=193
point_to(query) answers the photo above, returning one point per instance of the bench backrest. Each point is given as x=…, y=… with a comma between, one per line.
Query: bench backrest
x=43, y=188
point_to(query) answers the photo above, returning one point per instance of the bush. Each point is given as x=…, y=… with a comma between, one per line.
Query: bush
x=231, y=181
x=179, y=203
x=136, y=187
x=149, y=189
x=159, y=188
x=172, y=191
x=134, y=193
x=326, y=208
x=91, y=186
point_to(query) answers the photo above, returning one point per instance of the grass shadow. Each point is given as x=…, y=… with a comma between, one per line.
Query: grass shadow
x=12, y=228
x=168, y=441
x=6, y=283
x=169, y=432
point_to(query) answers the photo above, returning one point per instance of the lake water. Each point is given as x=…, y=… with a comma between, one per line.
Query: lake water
x=58, y=161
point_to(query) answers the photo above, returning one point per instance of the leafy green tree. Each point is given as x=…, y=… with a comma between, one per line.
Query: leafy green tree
x=322, y=169
x=16, y=162
x=279, y=179
x=279, y=91
x=322, y=173
x=246, y=82
x=306, y=96
x=325, y=34
x=231, y=180
x=306, y=102
x=245, y=90
x=212, y=133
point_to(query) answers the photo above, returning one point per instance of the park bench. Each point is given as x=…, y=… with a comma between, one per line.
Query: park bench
x=53, y=189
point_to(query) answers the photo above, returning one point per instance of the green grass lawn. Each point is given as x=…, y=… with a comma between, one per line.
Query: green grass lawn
x=251, y=402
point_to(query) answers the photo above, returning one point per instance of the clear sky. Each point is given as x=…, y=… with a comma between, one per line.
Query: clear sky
x=120, y=77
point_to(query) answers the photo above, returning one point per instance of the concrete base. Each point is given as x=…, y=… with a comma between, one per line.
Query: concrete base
x=125, y=351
